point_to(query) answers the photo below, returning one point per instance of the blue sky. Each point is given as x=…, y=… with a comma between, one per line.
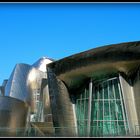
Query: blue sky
x=29, y=31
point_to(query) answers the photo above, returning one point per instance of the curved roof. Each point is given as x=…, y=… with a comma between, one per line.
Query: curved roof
x=16, y=85
x=41, y=63
x=97, y=62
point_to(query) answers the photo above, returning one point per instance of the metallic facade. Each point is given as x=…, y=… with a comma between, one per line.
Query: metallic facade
x=28, y=85
x=34, y=84
x=98, y=65
x=16, y=86
x=37, y=86
x=91, y=94
x=2, y=88
x=13, y=114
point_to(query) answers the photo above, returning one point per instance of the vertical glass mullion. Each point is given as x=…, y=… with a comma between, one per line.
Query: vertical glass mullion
x=93, y=117
x=97, y=110
x=83, y=115
x=115, y=104
x=109, y=104
x=85, y=111
x=90, y=118
x=103, y=107
x=80, y=111
x=101, y=129
x=89, y=107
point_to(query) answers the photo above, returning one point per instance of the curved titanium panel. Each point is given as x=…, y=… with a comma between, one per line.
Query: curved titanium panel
x=13, y=114
x=41, y=63
x=97, y=62
x=61, y=106
x=25, y=83
x=34, y=81
x=16, y=86
x=37, y=80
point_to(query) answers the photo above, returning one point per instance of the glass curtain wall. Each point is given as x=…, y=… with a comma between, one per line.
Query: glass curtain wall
x=108, y=115
x=82, y=112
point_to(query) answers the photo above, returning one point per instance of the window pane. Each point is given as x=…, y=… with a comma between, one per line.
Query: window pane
x=100, y=117
x=107, y=110
x=100, y=92
x=112, y=108
x=119, y=109
x=106, y=128
x=114, y=128
x=93, y=131
x=111, y=94
x=94, y=110
x=105, y=90
x=121, y=128
x=117, y=93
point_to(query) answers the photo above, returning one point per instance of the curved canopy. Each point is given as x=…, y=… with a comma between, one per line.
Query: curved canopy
x=98, y=62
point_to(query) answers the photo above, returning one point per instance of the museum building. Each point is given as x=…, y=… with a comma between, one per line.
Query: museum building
x=95, y=93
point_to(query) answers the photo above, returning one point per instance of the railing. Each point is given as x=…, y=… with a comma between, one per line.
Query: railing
x=67, y=132
x=101, y=131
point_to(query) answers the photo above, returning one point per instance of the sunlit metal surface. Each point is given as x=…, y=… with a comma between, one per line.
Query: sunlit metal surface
x=50, y=88
x=41, y=63
x=27, y=85
x=2, y=88
x=13, y=114
x=17, y=84
x=25, y=82
x=34, y=81
x=99, y=63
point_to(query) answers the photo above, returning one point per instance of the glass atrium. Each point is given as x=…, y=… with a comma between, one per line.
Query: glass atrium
x=100, y=109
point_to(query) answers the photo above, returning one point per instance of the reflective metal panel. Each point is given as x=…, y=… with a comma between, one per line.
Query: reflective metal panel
x=2, y=88
x=98, y=62
x=37, y=85
x=26, y=84
x=16, y=86
x=41, y=63
x=34, y=82
x=13, y=115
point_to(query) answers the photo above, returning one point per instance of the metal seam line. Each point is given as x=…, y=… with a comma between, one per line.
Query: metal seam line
x=109, y=103
x=103, y=105
x=89, y=107
x=115, y=104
